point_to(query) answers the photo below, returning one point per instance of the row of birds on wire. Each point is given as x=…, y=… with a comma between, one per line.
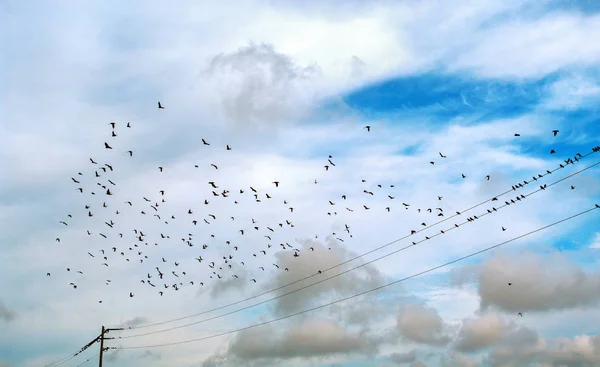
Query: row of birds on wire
x=169, y=275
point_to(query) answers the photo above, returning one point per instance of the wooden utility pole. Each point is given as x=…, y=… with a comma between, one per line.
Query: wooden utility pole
x=104, y=331
x=102, y=344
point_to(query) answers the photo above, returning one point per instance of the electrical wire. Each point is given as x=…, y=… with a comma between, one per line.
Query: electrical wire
x=87, y=360
x=596, y=207
x=514, y=188
x=72, y=355
x=61, y=361
x=358, y=266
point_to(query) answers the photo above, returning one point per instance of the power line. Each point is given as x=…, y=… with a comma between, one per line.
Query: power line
x=61, y=361
x=356, y=267
x=87, y=360
x=72, y=355
x=369, y=290
x=514, y=188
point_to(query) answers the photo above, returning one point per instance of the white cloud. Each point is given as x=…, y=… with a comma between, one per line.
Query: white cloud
x=572, y=93
x=596, y=241
x=258, y=86
x=533, y=48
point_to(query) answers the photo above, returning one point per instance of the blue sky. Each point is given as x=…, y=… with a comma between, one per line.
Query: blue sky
x=286, y=84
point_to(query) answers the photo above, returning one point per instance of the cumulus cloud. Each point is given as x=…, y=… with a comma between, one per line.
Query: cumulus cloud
x=539, y=282
x=483, y=332
x=229, y=284
x=324, y=256
x=6, y=314
x=357, y=68
x=401, y=358
x=308, y=338
x=422, y=324
x=582, y=350
x=457, y=360
x=257, y=86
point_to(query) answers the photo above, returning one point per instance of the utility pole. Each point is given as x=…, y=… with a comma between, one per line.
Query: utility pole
x=102, y=344
x=102, y=349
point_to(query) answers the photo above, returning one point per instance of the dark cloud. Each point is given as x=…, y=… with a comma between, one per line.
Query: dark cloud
x=6, y=314
x=151, y=355
x=539, y=283
x=325, y=255
x=307, y=338
x=457, y=360
x=483, y=332
x=401, y=358
x=527, y=348
x=136, y=321
x=230, y=284
x=422, y=324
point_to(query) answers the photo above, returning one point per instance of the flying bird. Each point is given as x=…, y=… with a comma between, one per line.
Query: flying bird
x=160, y=106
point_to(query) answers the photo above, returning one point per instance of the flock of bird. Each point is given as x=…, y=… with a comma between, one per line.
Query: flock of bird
x=135, y=245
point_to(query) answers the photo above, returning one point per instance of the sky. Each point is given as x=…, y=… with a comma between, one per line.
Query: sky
x=289, y=87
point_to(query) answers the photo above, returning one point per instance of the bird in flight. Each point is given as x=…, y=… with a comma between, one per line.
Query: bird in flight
x=555, y=132
x=160, y=106
x=368, y=127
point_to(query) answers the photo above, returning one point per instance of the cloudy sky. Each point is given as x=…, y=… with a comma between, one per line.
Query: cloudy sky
x=286, y=84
